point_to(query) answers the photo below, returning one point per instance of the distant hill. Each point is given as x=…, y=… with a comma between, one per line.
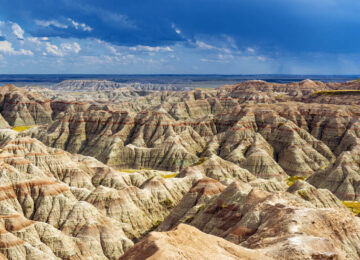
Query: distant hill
x=107, y=85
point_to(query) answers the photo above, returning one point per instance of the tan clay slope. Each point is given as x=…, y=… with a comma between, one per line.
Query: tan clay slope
x=55, y=204
x=308, y=225
x=187, y=242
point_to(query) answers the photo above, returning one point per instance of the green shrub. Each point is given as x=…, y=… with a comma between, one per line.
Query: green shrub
x=292, y=179
x=201, y=161
x=354, y=206
x=167, y=203
x=336, y=92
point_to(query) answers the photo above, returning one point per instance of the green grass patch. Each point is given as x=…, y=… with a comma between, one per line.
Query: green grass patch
x=171, y=175
x=336, y=92
x=354, y=206
x=21, y=128
x=292, y=179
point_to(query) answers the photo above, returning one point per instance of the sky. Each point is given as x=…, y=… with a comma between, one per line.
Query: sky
x=180, y=36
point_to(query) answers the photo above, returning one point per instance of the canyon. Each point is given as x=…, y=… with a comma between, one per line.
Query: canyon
x=254, y=170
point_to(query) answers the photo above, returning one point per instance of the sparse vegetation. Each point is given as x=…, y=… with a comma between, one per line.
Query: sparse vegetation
x=336, y=92
x=154, y=226
x=171, y=175
x=292, y=179
x=201, y=207
x=279, y=97
x=201, y=161
x=281, y=124
x=167, y=203
x=21, y=128
x=354, y=206
x=189, y=219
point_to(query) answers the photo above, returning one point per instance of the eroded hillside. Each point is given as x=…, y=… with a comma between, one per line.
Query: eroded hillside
x=88, y=174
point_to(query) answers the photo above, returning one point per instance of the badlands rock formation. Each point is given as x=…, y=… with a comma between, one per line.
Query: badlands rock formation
x=58, y=205
x=95, y=172
x=106, y=85
x=186, y=242
x=278, y=224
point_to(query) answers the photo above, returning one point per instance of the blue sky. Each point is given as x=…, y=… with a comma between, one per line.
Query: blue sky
x=180, y=36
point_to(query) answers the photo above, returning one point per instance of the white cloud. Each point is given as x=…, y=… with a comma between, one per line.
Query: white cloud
x=203, y=45
x=6, y=47
x=34, y=40
x=53, y=49
x=2, y=23
x=37, y=40
x=80, y=26
x=151, y=49
x=55, y=23
x=113, y=50
x=231, y=41
x=225, y=57
x=177, y=30
x=251, y=50
x=51, y=23
x=25, y=52
x=261, y=58
x=71, y=47
x=220, y=58
x=19, y=33
x=64, y=48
